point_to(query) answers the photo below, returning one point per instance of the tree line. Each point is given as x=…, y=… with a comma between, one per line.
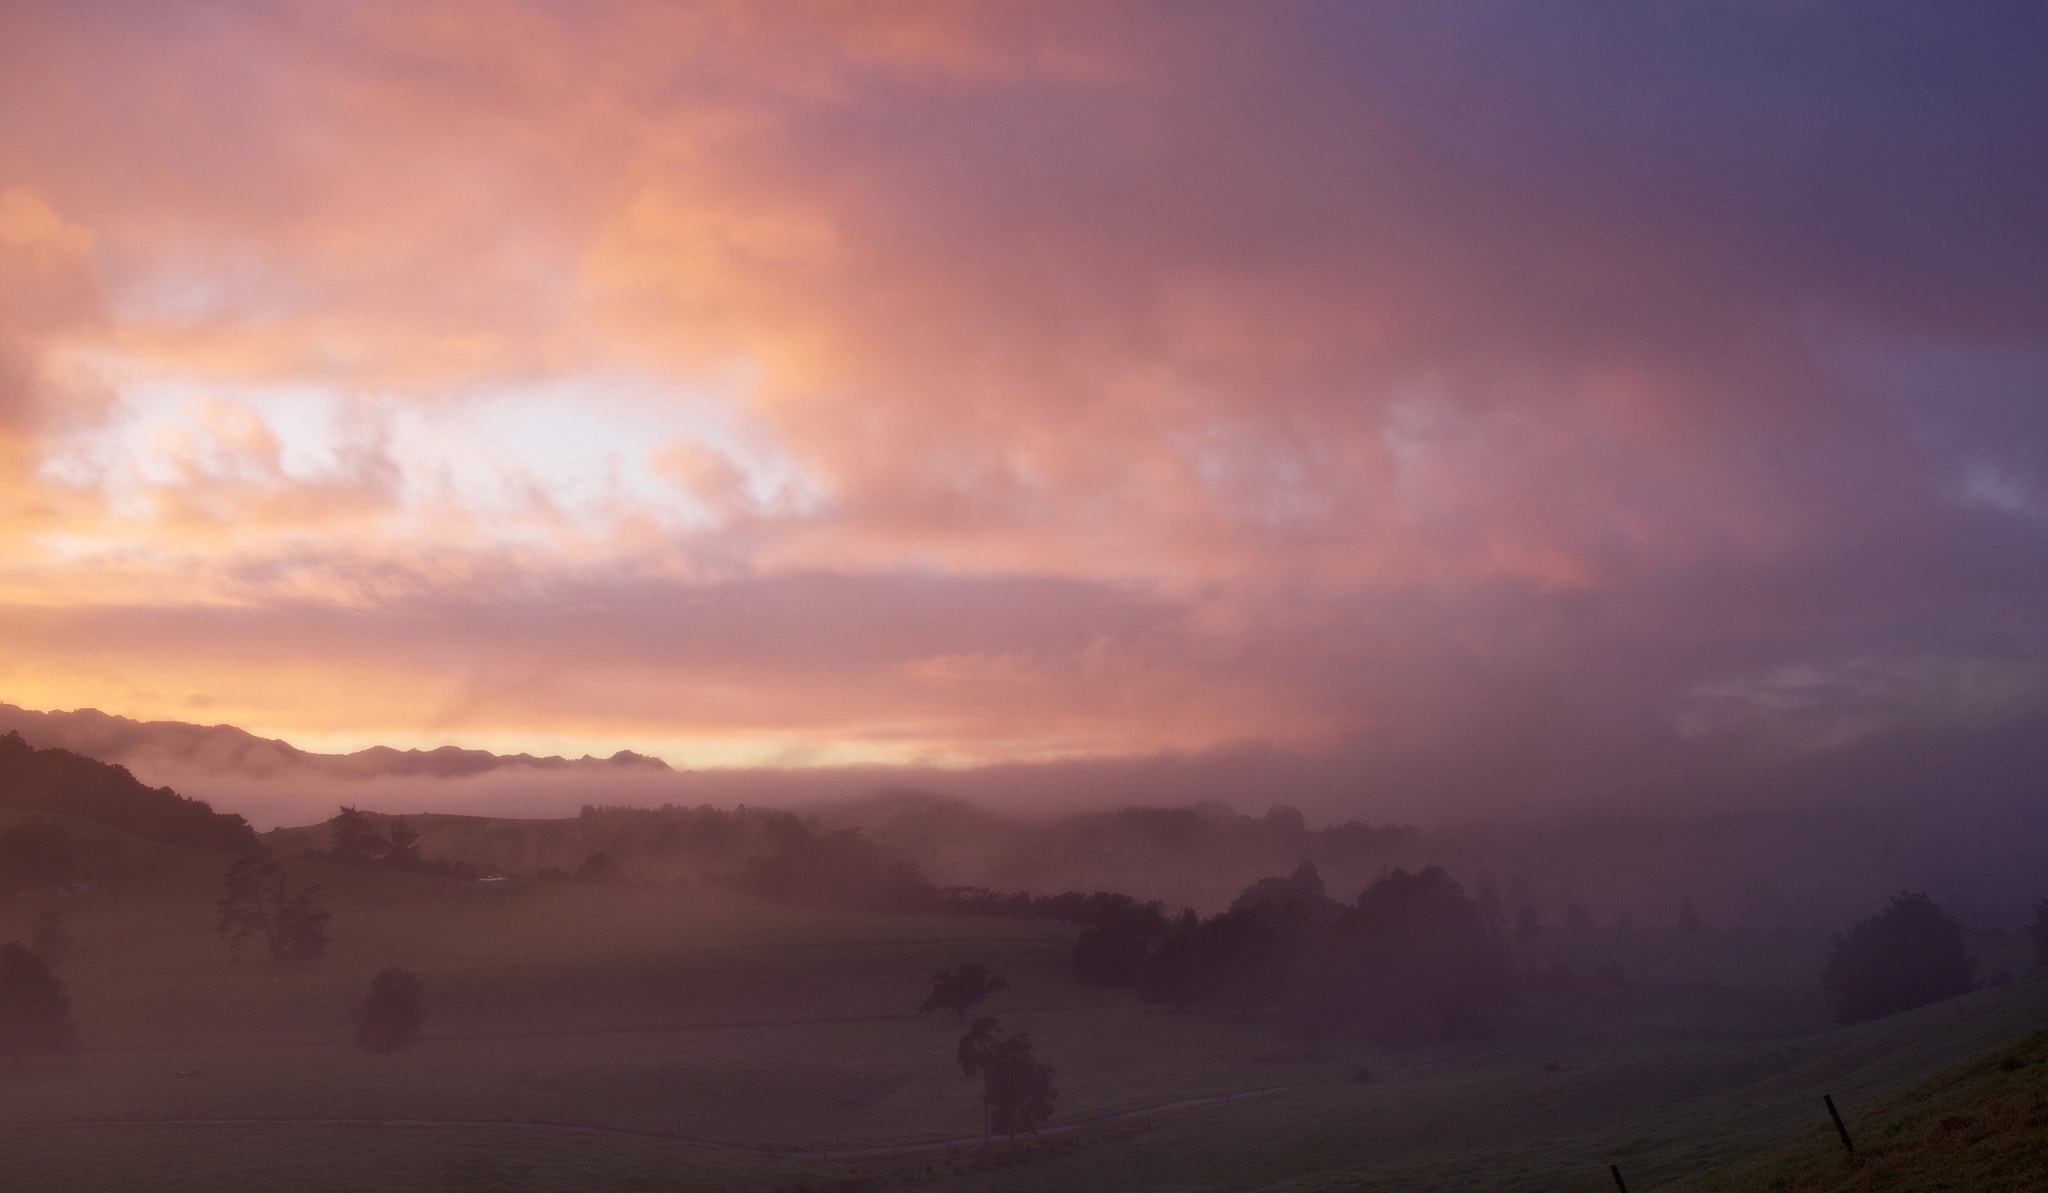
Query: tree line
x=1411, y=959
x=354, y=840
x=843, y=868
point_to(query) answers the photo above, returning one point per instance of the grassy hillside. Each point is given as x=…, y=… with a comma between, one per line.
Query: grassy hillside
x=713, y=1042
x=1980, y=1127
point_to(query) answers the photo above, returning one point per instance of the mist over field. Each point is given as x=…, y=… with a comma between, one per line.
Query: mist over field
x=1760, y=842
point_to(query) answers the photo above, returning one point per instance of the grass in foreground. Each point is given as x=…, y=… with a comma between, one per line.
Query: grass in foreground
x=1981, y=1128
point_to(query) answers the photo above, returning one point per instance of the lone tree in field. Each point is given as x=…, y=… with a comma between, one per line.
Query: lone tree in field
x=389, y=1019
x=35, y=1017
x=1017, y=1093
x=965, y=987
x=48, y=940
x=1908, y=955
x=256, y=902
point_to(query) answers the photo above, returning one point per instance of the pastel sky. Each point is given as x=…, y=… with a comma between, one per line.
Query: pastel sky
x=825, y=383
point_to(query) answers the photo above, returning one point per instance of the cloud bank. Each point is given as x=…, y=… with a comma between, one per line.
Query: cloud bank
x=822, y=385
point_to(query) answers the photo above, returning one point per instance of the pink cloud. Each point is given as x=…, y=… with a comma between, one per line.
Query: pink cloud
x=995, y=383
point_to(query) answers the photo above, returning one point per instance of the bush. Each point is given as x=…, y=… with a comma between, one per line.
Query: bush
x=1908, y=955
x=389, y=1019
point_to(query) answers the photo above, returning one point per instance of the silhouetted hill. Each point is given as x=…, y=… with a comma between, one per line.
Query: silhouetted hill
x=228, y=750
x=62, y=782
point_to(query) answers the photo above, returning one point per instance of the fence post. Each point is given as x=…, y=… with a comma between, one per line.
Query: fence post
x=1839, y=1128
x=1616, y=1170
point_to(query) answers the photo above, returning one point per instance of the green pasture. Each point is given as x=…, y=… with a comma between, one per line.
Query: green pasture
x=731, y=1044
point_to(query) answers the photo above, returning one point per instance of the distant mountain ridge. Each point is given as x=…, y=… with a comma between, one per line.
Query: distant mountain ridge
x=227, y=749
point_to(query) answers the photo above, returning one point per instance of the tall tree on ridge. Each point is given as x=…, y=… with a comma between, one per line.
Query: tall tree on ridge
x=354, y=841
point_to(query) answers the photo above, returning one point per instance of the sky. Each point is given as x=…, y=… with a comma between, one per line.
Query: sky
x=834, y=384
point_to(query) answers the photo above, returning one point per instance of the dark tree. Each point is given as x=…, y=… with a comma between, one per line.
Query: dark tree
x=1528, y=923
x=1413, y=960
x=403, y=847
x=389, y=1019
x=48, y=939
x=973, y=1053
x=256, y=902
x=1491, y=911
x=840, y=868
x=1108, y=956
x=2039, y=931
x=1021, y=1095
x=1908, y=955
x=905, y=889
x=1298, y=893
x=35, y=1016
x=1688, y=916
x=1168, y=974
x=598, y=867
x=964, y=987
x=353, y=840
x=1017, y=1093
x=35, y=854
x=1244, y=958
x=301, y=927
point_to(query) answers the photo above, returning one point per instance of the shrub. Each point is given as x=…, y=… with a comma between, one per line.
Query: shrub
x=1908, y=955
x=389, y=1019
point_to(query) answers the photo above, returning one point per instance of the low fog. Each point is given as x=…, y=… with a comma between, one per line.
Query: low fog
x=1762, y=841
